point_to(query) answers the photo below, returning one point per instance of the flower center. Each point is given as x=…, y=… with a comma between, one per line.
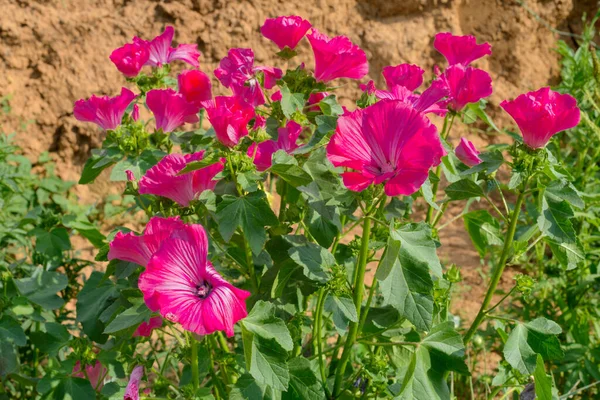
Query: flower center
x=203, y=290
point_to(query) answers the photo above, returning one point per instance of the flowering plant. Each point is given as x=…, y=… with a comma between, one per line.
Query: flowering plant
x=288, y=246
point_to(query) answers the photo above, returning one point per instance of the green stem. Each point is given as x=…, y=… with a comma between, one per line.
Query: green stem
x=318, y=335
x=359, y=288
x=438, y=171
x=363, y=317
x=195, y=373
x=250, y=265
x=223, y=369
x=223, y=342
x=497, y=273
x=413, y=344
x=219, y=389
x=282, y=202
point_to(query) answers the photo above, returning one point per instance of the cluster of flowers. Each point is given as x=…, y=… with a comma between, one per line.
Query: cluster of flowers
x=390, y=142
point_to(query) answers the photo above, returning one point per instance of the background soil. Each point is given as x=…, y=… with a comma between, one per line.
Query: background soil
x=53, y=52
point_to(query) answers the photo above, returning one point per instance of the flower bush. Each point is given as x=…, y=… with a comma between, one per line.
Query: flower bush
x=288, y=246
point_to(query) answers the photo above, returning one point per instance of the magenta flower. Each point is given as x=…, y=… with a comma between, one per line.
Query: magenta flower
x=276, y=96
x=285, y=31
x=337, y=57
x=187, y=289
x=238, y=73
x=466, y=85
x=313, y=101
x=106, y=112
x=430, y=101
x=145, y=329
x=130, y=58
x=161, y=52
x=259, y=122
x=132, y=391
x=163, y=179
x=170, y=109
x=229, y=117
x=407, y=75
x=389, y=142
x=286, y=140
x=460, y=49
x=467, y=153
x=96, y=373
x=139, y=249
x=135, y=113
x=542, y=114
x=195, y=86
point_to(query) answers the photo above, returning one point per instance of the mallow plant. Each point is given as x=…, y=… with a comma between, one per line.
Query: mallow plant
x=286, y=247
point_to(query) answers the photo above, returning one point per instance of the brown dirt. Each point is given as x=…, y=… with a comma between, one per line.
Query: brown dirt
x=53, y=52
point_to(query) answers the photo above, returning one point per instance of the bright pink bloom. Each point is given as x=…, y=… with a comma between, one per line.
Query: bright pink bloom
x=107, y=112
x=238, y=73
x=430, y=101
x=163, y=179
x=170, y=109
x=276, y=96
x=542, y=114
x=130, y=175
x=161, y=52
x=145, y=329
x=467, y=153
x=139, y=249
x=408, y=75
x=460, y=49
x=132, y=391
x=229, y=117
x=313, y=101
x=96, y=373
x=187, y=289
x=259, y=122
x=135, y=113
x=285, y=31
x=387, y=142
x=466, y=85
x=337, y=57
x=286, y=140
x=130, y=58
x=369, y=87
x=195, y=86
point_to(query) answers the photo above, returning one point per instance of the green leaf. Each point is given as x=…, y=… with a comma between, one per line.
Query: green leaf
x=330, y=106
x=392, y=251
x=9, y=361
x=323, y=230
x=205, y=162
x=543, y=383
x=568, y=254
x=315, y=260
x=421, y=380
x=304, y=385
x=561, y=189
x=325, y=125
x=291, y=102
x=484, y=230
x=133, y=316
x=99, y=161
x=50, y=342
x=478, y=110
x=518, y=353
x=95, y=297
x=490, y=162
x=10, y=330
x=41, y=288
x=251, y=213
x=446, y=347
x=265, y=360
x=417, y=244
x=343, y=310
x=262, y=322
x=246, y=388
x=554, y=220
x=85, y=229
x=427, y=192
x=52, y=242
x=463, y=189
x=286, y=167
x=70, y=388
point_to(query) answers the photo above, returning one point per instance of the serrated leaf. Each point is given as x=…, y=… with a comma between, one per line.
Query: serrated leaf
x=210, y=159
x=132, y=316
x=42, y=288
x=304, y=384
x=267, y=362
x=99, y=161
x=490, y=162
x=11, y=331
x=343, y=310
x=286, y=167
x=543, y=383
x=484, y=230
x=291, y=102
x=463, y=189
x=446, y=348
x=52, y=242
x=50, y=342
x=417, y=244
x=554, y=220
x=70, y=388
x=262, y=322
x=95, y=297
x=9, y=361
x=421, y=380
x=563, y=190
x=568, y=254
x=315, y=261
x=330, y=106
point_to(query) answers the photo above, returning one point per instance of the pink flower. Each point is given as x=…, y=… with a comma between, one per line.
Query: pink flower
x=285, y=31
x=389, y=142
x=238, y=73
x=369, y=87
x=313, y=101
x=139, y=249
x=132, y=391
x=145, y=329
x=467, y=153
x=107, y=112
x=430, y=101
x=460, y=49
x=96, y=373
x=286, y=140
x=130, y=175
x=195, y=86
x=135, y=113
x=130, y=58
x=163, y=179
x=542, y=114
x=259, y=122
x=337, y=57
x=187, y=289
x=408, y=75
x=162, y=53
x=229, y=117
x=466, y=85
x=170, y=109
x=276, y=96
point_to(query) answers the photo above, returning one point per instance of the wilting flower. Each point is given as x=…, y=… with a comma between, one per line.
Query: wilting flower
x=130, y=58
x=132, y=391
x=238, y=73
x=195, y=86
x=161, y=52
x=466, y=85
x=407, y=75
x=170, y=109
x=389, y=142
x=337, y=57
x=163, y=179
x=96, y=373
x=542, y=114
x=286, y=140
x=229, y=117
x=184, y=286
x=460, y=49
x=145, y=329
x=467, y=153
x=106, y=112
x=139, y=249
x=285, y=31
